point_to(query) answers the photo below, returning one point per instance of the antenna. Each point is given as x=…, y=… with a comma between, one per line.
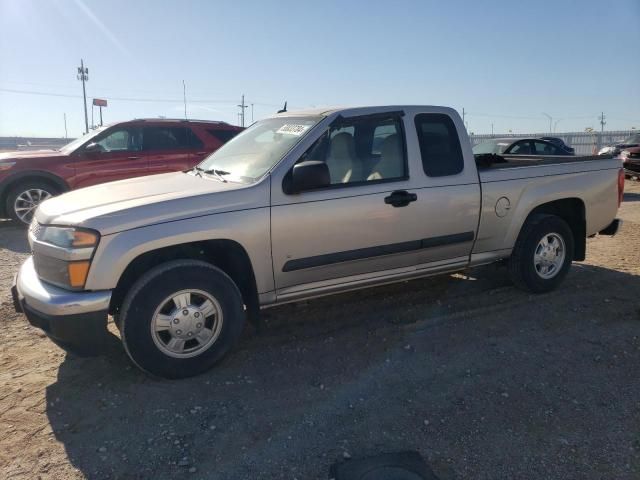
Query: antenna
x=284, y=109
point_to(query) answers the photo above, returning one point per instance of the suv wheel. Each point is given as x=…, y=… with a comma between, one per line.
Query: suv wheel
x=542, y=255
x=180, y=318
x=24, y=198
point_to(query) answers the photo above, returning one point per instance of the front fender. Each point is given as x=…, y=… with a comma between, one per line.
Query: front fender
x=249, y=228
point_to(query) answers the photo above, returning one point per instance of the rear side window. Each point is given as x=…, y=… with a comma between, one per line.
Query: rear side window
x=165, y=138
x=439, y=145
x=223, y=135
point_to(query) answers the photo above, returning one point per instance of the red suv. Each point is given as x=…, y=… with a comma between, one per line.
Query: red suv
x=114, y=152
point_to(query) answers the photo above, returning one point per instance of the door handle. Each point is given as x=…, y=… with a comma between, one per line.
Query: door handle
x=133, y=158
x=400, y=198
x=201, y=153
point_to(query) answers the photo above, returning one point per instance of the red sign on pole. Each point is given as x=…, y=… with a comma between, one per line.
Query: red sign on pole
x=99, y=102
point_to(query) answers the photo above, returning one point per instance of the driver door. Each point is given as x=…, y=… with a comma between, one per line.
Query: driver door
x=116, y=156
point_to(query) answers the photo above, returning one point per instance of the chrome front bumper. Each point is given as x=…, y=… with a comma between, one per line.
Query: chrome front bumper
x=56, y=301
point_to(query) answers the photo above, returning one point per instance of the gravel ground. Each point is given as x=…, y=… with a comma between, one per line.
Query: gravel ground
x=485, y=381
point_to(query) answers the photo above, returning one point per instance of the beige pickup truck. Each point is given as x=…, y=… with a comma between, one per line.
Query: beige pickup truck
x=299, y=205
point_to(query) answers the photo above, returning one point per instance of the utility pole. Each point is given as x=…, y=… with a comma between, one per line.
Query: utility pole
x=602, y=122
x=184, y=98
x=242, y=107
x=83, y=74
x=65, y=125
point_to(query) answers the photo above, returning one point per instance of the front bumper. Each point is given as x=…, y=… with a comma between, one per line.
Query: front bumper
x=77, y=321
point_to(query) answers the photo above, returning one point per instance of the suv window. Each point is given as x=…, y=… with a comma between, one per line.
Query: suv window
x=543, y=148
x=439, y=145
x=122, y=139
x=193, y=140
x=362, y=149
x=223, y=135
x=165, y=138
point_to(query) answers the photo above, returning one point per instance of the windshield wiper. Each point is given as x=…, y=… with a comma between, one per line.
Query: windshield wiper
x=216, y=173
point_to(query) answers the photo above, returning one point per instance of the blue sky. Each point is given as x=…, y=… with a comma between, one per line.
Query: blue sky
x=505, y=62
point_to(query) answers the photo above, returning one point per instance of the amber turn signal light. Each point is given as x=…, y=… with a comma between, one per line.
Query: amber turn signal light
x=84, y=239
x=78, y=273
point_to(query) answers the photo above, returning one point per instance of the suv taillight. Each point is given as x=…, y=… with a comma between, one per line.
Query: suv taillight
x=620, y=185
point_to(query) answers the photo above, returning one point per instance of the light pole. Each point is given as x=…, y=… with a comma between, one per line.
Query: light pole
x=83, y=75
x=555, y=125
x=550, y=120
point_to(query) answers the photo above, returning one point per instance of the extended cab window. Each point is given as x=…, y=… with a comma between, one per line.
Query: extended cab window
x=362, y=149
x=439, y=145
x=165, y=138
x=121, y=140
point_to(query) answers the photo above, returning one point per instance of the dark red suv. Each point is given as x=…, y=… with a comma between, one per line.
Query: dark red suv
x=114, y=152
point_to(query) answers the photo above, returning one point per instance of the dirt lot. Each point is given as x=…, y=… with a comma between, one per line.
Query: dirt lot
x=485, y=381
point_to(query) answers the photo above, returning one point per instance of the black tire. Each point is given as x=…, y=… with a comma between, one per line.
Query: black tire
x=521, y=264
x=152, y=290
x=19, y=189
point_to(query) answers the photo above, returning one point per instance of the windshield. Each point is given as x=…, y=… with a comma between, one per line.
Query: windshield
x=253, y=152
x=632, y=140
x=490, y=147
x=71, y=146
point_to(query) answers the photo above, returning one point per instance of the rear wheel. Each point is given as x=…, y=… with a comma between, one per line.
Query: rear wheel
x=542, y=255
x=181, y=318
x=24, y=198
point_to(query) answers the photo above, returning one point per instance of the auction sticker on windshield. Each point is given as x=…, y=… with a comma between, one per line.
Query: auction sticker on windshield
x=296, y=130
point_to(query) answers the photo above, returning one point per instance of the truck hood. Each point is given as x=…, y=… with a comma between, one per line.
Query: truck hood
x=137, y=202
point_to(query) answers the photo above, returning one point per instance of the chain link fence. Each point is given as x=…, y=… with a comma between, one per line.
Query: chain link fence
x=585, y=143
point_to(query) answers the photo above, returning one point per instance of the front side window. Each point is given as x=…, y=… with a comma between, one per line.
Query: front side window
x=521, y=148
x=439, y=145
x=362, y=149
x=256, y=150
x=120, y=140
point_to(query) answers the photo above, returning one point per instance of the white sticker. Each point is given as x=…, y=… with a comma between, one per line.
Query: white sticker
x=296, y=130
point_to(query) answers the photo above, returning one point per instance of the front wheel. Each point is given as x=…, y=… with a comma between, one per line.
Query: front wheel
x=180, y=318
x=542, y=255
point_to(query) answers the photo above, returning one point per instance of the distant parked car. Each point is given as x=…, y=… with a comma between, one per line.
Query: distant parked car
x=629, y=142
x=631, y=161
x=519, y=146
x=560, y=143
x=114, y=152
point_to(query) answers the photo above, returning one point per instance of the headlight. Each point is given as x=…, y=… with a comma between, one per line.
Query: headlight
x=67, y=237
x=62, y=255
x=6, y=165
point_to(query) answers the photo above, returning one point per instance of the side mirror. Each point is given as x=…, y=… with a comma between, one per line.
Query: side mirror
x=309, y=175
x=92, y=148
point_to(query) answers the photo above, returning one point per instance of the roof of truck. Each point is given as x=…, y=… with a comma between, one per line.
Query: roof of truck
x=359, y=110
